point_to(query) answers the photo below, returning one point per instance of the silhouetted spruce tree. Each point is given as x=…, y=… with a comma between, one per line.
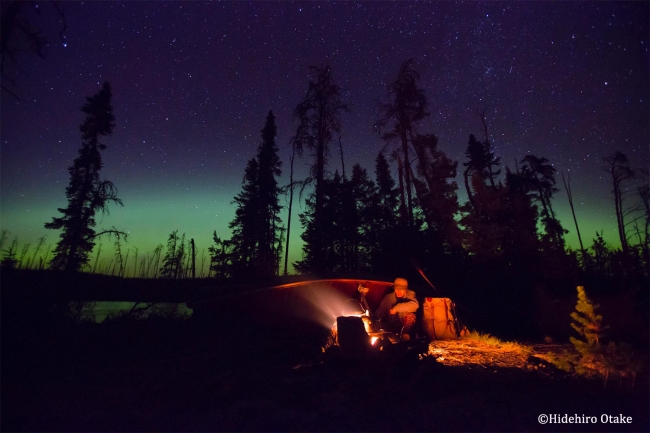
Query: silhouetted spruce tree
x=540, y=175
x=268, y=235
x=386, y=212
x=406, y=106
x=437, y=192
x=351, y=209
x=385, y=218
x=256, y=229
x=474, y=164
x=172, y=266
x=600, y=257
x=86, y=192
x=318, y=254
x=337, y=227
x=311, y=236
x=482, y=229
x=244, y=226
x=366, y=200
x=520, y=243
x=319, y=116
x=481, y=161
x=343, y=218
x=220, y=257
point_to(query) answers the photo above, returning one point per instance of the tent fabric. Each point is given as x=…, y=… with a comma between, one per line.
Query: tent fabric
x=439, y=319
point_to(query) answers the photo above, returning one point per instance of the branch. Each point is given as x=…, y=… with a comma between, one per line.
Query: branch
x=18, y=98
x=113, y=231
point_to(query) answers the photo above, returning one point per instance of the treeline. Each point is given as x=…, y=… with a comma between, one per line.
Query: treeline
x=389, y=222
x=406, y=217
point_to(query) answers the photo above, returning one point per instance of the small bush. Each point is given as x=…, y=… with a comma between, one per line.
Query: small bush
x=593, y=358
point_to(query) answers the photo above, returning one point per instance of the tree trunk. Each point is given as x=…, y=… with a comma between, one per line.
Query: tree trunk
x=567, y=187
x=400, y=176
x=407, y=166
x=193, y=258
x=286, y=251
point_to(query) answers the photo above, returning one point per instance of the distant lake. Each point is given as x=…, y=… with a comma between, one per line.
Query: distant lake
x=104, y=308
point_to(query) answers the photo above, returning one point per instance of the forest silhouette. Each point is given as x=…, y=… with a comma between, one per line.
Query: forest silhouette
x=359, y=224
x=505, y=241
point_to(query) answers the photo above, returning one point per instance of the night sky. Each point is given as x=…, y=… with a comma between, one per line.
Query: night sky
x=193, y=82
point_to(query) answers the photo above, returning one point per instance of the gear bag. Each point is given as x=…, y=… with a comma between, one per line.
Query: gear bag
x=439, y=319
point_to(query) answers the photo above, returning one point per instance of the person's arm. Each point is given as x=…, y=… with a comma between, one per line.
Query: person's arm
x=384, y=307
x=409, y=304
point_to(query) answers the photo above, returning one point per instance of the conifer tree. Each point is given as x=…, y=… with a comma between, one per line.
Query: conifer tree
x=351, y=225
x=480, y=162
x=601, y=255
x=86, y=192
x=319, y=116
x=519, y=242
x=173, y=261
x=366, y=200
x=386, y=213
x=587, y=323
x=486, y=198
x=256, y=229
x=244, y=226
x=406, y=106
x=337, y=226
x=594, y=357
x=436, y=191
x=540, y=176
x=268, y=234
x=220, y=257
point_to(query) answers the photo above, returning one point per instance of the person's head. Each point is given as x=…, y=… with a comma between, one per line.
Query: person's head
x=400, y=285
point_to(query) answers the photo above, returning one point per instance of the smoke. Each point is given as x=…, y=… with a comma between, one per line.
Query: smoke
x=323, y=303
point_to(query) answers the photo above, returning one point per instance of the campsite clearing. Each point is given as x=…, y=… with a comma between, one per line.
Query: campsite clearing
x=471, y=352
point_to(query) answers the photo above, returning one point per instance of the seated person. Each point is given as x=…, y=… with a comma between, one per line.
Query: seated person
x=397, y=310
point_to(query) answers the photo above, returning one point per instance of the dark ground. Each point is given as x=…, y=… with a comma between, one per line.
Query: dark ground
x=234, y=374
x=161, y=375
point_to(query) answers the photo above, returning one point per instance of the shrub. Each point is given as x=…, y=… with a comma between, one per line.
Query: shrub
x=593, y=358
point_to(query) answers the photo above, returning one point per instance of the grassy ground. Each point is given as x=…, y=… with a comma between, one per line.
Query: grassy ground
x=175, y=375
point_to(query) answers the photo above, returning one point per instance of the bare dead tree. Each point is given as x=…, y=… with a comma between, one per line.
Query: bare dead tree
x=290, y=189
x=618, y=166
x=342, y=160
x=193, y=247
x=567, y=187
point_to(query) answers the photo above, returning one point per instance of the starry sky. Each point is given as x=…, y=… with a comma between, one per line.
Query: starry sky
x=193, y=82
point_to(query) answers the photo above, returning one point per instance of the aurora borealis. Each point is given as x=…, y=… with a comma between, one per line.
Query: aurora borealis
x=193, y=81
